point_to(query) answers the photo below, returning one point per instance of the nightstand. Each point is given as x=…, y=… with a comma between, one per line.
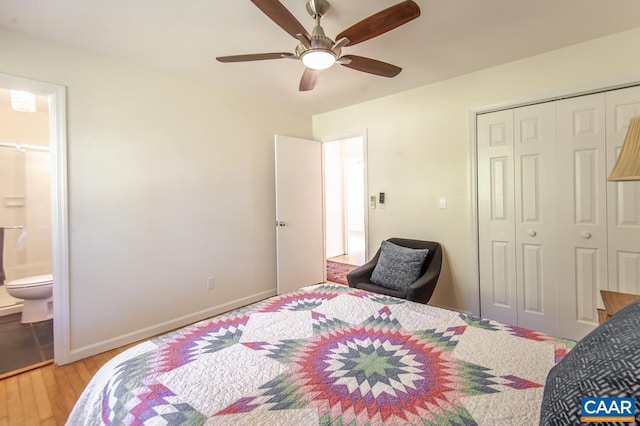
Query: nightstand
x=614, y=301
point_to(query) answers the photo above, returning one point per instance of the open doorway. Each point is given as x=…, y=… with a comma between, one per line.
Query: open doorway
x=345, y=212
x=26, y=282
x=34, y=213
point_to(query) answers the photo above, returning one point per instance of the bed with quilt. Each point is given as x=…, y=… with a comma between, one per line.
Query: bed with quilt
x=328, y=355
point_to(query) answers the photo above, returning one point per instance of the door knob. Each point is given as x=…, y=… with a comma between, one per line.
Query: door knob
x=586, y=235
x=532, y=233
x=280, y=223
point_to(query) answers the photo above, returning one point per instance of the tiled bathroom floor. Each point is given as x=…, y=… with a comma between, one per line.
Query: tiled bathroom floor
x=22, y=345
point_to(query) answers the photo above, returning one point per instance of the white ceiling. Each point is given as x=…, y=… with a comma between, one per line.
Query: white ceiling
x=451, y=38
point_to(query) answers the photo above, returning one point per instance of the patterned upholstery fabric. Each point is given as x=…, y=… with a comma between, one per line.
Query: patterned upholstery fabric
x=398, y=267
x=606, y=363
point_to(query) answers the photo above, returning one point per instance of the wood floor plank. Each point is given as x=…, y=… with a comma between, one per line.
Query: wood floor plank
x=56, y=400
x=14, y=403
x=28, y=400
x=73, y=379
x=82, y=372
x=67, y=394
x=3, y=401
x=40, y=393
x=92, y=364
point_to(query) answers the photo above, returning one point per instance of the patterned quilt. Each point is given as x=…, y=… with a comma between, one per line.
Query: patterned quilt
x=327, y=355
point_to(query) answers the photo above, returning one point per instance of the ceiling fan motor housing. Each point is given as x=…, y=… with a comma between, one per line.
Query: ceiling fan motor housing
x=319, y=40
x=317, y=7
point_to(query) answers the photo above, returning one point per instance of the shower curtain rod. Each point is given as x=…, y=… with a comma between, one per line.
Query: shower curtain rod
x=24, y=146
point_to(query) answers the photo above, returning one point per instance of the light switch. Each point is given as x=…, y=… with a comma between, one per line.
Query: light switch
x=443, y=203
x=372, y=202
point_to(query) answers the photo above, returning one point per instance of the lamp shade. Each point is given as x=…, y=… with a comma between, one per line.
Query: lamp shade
x=628, y=164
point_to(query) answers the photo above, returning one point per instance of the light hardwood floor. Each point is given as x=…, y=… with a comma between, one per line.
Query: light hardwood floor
x=46, y=395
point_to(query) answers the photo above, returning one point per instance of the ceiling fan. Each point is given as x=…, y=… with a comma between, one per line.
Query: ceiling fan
x=318, y=52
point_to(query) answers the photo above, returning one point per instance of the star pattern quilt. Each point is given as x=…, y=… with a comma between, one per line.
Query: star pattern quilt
x=327, y=355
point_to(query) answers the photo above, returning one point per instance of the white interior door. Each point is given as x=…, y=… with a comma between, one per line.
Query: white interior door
x=535, y=214
x=299, y=222
x=582, y=212
x=496, y=216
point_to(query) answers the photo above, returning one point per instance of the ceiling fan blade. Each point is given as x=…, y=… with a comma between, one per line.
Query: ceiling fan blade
x=309, y=79
x=381, y=22
x=255, y=57
x=371, y=66
x=281, y=16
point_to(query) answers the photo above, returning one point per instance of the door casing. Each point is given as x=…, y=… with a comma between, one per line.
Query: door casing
x=59, y=206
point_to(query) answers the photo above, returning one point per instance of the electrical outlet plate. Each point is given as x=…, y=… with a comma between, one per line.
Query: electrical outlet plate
x=211, y=283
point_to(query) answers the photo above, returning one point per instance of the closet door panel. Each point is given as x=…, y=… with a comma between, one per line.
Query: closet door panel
x=496, y=217
x=582, y=215
x=535, y=213
x=623, y=198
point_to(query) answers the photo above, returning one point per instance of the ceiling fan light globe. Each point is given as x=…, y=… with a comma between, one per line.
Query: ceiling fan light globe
x=318, y=59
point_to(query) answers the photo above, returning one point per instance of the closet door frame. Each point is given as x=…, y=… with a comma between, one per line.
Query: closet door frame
x=473, y=154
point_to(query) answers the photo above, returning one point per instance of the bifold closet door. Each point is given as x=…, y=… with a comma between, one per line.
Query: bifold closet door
x=516, y=215
x=582, y=212
x=496, y=217
x=623, y=198
x=535, y=216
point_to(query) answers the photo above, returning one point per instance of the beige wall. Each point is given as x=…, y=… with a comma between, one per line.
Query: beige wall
x=418, y=146
x=169, y=182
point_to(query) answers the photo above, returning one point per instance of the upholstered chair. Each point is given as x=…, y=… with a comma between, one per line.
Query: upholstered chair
x=398, y=261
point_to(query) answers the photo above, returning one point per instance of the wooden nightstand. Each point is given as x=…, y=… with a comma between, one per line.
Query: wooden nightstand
x=614, y=301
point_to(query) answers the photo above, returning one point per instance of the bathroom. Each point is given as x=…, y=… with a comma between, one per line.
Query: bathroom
x=25, y=215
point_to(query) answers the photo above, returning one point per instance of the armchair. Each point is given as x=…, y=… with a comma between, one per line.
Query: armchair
x=420, y=290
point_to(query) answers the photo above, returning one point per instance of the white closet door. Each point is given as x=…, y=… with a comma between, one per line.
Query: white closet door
x=582, y=215
x=623, y=198
x=535, y=216
x=496, y=217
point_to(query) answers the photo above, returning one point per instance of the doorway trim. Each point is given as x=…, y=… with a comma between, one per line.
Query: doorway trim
x=59, y=205
x=361, y=134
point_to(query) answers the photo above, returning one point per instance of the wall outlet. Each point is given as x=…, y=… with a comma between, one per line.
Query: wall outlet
x=211, y=283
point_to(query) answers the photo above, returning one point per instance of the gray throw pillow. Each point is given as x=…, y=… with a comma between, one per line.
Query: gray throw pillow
x=398, y=267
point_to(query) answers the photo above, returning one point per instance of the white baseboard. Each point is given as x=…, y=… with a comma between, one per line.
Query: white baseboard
x=157, y=329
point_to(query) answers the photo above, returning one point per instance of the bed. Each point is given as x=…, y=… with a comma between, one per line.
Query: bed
x=328, y=355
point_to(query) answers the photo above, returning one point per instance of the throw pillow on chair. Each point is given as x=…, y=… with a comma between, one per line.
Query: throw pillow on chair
x=398, y=267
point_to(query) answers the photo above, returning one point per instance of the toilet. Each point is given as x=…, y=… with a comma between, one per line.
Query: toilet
x=36, y=293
